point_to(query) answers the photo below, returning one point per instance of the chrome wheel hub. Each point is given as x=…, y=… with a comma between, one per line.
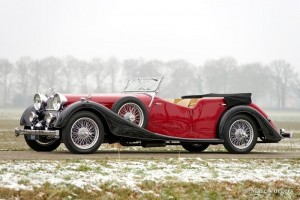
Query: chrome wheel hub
x=84, y=133
x=133, y=113
x=241, y=134
x=129, y=116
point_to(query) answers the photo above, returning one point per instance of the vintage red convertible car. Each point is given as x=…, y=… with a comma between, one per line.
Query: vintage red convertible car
x=138, y=117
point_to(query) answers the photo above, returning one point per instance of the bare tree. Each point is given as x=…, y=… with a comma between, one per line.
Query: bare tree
x=51, y=68
x=100, y=72
x=37, y=76
x=218, y=74
x=282, y=73
x=183, y=79
x=68, y=74
x=296, y=86
x=140, y=68
x=254, y=78
x=197, y=71
x=83, y=73
x=132, y=68
x=113, y=65
x=23, y=68
x=5, y=69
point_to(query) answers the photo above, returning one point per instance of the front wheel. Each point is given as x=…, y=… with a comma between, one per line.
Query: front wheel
x=43, y=144
x=83, y=133
x=194, y=147
x=240, y=134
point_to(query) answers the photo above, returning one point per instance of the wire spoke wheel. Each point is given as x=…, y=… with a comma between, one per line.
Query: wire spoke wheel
x=84, y=133
x=133, y=113
x=241, y=134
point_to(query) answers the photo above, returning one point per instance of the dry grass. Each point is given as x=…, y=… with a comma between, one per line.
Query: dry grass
x=163, y=190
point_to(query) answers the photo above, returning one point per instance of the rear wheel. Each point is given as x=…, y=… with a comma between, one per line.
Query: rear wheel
x=133, y=110
x=194, y=147
x=240, y=134
x=83, y=133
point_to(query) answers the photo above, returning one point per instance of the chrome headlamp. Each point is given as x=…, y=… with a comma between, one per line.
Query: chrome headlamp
x=32, y=116
x=59, y=101
x=50, y=118
x=39, y=101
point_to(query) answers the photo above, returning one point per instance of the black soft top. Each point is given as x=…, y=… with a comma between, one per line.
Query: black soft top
x=230, y=99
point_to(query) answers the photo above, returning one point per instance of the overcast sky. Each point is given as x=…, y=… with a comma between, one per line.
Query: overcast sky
x=199, y=30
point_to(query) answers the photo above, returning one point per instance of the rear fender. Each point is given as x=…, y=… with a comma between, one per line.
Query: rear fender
x=268, y=130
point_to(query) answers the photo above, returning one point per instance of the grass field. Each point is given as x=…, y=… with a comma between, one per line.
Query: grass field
x=152, y=179
x=175, y=178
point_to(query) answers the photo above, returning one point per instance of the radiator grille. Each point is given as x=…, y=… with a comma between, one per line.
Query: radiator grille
x=49, y=104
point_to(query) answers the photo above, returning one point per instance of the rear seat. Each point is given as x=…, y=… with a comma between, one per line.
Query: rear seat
x=183, y=102
x=193, y=102
x=170, y=100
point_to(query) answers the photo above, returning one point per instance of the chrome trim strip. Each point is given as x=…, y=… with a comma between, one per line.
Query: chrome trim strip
x=152, y=94
x=54, y=133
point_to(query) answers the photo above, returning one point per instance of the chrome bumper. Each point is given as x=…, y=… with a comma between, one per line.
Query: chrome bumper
x=285, y=134
x=52, y=134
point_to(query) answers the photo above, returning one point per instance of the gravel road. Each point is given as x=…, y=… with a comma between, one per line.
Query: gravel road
x=64, y=155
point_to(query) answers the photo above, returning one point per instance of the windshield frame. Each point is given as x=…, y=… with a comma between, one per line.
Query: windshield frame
x=142, y=85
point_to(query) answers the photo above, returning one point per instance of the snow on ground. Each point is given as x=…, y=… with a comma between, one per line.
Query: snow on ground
x=130, y=173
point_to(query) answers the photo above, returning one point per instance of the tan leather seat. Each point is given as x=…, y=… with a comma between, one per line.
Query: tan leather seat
x=184, y=102
x=170, y=100
x=194, y=102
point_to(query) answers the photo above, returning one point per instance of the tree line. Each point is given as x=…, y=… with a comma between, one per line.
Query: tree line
x=276, y=84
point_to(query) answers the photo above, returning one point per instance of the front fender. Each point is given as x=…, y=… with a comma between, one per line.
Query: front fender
x=116, y=125
x=270, y=133
x=24, y=121
x=65, y=115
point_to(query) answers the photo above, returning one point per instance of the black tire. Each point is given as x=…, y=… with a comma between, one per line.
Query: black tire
x=83, y=133
x=138, y=105
x=240, y=134
x=43, y=144
x=194, y=147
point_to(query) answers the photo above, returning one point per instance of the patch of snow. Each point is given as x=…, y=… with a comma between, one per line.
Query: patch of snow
x=131, y=173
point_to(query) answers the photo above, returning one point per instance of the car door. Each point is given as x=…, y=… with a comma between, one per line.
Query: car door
x=170, y=119
x=206, y=114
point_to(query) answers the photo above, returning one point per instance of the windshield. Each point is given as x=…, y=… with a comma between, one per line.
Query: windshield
x=143, y=85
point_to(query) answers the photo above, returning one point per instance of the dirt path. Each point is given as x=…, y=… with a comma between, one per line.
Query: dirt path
x=31, y=155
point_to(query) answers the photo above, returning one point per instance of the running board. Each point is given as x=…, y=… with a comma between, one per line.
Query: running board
x=162, y=143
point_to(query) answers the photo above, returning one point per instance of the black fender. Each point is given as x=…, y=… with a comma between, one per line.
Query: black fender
x=24, y=121
x=116, y=125
x=113, y=123
x=65, y=115
x=269, y=132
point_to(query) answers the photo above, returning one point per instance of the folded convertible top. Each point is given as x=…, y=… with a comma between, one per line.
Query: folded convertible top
x=230, y=99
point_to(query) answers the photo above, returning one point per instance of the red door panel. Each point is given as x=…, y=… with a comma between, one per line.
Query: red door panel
x=170, y=119
x=206, y=115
